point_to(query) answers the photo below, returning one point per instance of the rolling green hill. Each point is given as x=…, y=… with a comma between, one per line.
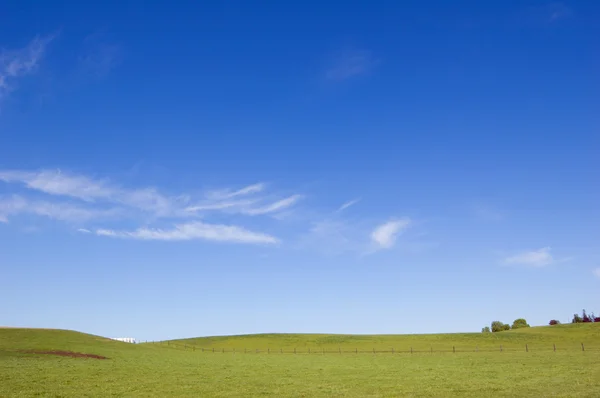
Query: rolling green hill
x=39, y=362
x=565, y=337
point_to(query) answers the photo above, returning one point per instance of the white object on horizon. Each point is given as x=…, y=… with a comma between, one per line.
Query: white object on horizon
x=124, y=339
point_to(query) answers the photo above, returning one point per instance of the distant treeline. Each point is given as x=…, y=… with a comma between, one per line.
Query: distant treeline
x=519, y=323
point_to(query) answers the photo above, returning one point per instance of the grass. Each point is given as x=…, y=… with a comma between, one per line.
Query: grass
x=565, y=337
x=146, y=370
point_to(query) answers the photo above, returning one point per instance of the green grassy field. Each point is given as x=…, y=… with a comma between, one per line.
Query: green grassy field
x=161, y=370
x=565, y=337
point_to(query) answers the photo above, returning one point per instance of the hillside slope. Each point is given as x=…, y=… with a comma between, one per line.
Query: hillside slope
x=161, y=370
x=21, y=341
x=537, y=338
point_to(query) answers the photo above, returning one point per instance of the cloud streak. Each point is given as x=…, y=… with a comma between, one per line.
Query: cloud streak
x=228, y=194
x=16, y=205
x=534, y=258
x=347, y=204
x=76, y=198
x=384, y=236
x=18, y=63
x=192, y=231
x=149, y=200
x=274, y=207
x=57, y=183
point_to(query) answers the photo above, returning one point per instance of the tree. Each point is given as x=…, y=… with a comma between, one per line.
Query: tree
x=498, y=326
x=554, y=322
x=577, y=319
x=520, y=323
x=486, y=330
x=586, y=318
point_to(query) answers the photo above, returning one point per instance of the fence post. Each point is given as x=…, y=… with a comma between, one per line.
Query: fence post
x=454, y=349
x=500, y=347
x=526, y=348
x=554, y=347
x=582, y=347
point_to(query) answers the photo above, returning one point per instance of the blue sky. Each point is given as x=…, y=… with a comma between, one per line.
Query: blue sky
x=238, y=167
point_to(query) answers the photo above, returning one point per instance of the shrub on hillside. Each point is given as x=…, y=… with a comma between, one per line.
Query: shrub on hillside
x=520, y=323
x=554, y=322
x=498, y=326
x=585, y=318
x=486, y=330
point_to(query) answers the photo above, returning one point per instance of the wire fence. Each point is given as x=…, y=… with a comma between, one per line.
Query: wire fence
x=582, y=347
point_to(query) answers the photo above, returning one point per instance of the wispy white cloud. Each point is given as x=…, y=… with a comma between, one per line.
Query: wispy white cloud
x=534, y=258
x=149, y=200
x=351, y=63
x=384, y=235
x=77, y=198
x=220, y=205
x=336, y=235
x=348, y=204
x=56, y=182
x=15, y=205
x=273, y=207
x=152, y=201
x=332, y=237
x=84, y=231
x=242, y=201
x=17, y=63
x=229, y=194
x=596, y=272
x=195, y=230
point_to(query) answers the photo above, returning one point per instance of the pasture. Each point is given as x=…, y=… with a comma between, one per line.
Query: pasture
x=190, y=367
